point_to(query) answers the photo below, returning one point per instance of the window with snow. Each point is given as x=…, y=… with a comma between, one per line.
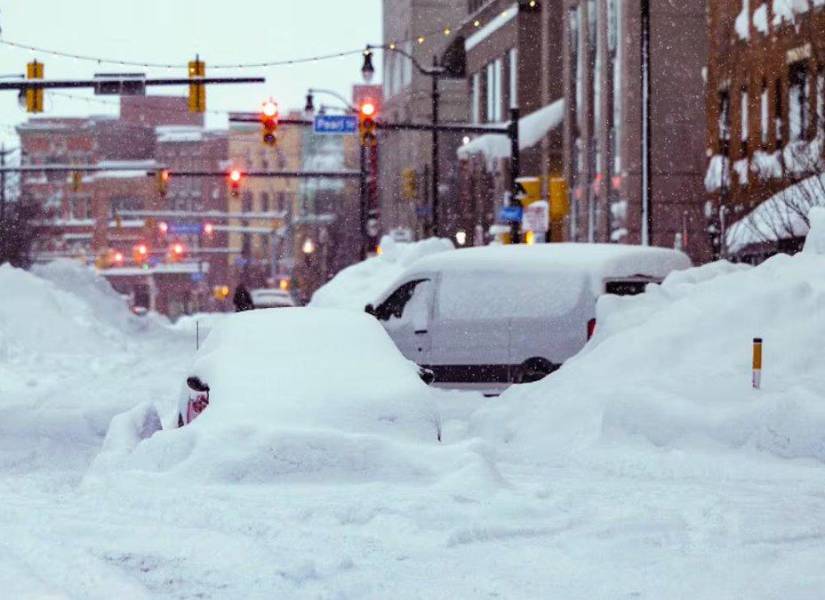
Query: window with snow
x=743, y=121
x=513, y=57
x=777, y=118
x=798, y=94
x=724, y=117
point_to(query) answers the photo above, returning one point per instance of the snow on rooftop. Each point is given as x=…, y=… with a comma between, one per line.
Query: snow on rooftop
x=170, y=134
x=532, y=129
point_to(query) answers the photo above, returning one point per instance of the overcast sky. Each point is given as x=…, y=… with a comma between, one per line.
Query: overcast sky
x=172, y=31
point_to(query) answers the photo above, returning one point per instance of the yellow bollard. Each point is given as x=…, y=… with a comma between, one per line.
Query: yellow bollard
x=757, y=363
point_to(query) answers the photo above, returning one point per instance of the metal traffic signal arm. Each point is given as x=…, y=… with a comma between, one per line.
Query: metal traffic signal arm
x=90, y=83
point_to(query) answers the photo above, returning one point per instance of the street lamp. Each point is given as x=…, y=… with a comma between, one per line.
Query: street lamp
x=308, y=247
x=435, y=73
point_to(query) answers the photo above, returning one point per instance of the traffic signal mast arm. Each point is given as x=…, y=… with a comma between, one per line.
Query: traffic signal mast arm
x=90, y=83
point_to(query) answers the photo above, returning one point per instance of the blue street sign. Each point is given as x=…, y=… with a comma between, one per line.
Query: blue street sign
x=185, y=228
x=510, y=214
x=335, y=124
x=198, y=277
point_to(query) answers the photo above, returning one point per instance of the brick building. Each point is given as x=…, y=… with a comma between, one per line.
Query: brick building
x=603, y=131
x=263, y=256
x=513, y=59
x=424, y=30
x=765, y=122
x=82, y=218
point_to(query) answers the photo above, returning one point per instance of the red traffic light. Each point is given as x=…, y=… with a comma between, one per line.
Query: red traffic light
x=270, y=109
x=178, y=249
x=368, y=109
x=235, y=176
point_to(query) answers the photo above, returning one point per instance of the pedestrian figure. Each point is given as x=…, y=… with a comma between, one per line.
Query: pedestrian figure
x=242, y=299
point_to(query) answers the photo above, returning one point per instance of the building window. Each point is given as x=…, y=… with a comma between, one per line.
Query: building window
x=777, y=117
x=743, y=121
x=614, y=33
x=764, y=115
x=264, y=202
x=120, y=204
x=494, y=100
x=513, y=77
x=798, y=95
x=724, y=118
x=476, y=98
x=820, y=100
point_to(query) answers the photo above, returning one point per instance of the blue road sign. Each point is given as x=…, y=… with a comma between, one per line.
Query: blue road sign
x=510, y=214
x=335, y=124
x=185, y=228
x=198, y=277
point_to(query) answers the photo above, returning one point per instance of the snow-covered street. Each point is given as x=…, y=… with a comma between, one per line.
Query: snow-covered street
x=530, y=498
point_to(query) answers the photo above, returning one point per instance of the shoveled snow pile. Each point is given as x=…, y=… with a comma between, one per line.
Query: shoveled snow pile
x=672, y=367
x=72, y=356
x=362, y=283
x=295, y=394
x=62, y=309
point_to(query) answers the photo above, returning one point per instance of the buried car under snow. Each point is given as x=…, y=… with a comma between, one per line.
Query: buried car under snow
x=304, y=367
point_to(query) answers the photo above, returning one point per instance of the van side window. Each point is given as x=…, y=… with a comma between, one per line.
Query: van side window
x=626, y=288
x=394, y=305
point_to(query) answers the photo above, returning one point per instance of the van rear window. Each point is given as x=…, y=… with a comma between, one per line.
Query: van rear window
x=625, y=288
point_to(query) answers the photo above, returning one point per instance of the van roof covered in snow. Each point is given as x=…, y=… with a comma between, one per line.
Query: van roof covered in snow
x=599, y=260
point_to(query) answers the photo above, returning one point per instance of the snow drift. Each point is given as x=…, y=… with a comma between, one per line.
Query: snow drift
x=362, y=283
x=672, y=367
x=300, y=394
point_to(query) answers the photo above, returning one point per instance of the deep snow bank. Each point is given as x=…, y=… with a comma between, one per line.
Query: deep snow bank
x=672, y=367
x=362, y=283
x=306, y=394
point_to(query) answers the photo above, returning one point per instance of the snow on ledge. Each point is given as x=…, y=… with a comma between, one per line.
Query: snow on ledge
x=532, y=129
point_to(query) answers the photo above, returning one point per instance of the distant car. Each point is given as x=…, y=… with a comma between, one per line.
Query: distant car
x=488, y=317
x=283, y=363
x=272, y=298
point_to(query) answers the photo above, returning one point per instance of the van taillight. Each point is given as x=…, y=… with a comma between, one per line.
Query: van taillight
x=591, y=328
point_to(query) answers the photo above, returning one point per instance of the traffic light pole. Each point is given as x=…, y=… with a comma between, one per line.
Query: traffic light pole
x=362, y=203
x=436, y=96
x=515, y=171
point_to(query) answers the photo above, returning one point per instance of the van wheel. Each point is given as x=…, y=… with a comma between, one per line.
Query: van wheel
x=534, y=369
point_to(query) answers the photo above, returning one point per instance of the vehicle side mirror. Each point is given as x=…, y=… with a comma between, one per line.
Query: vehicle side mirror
x=427, y=376
x=196, y=384
x=369, y=309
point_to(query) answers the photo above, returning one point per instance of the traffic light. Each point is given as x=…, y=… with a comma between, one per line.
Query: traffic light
x=409, y=184
x=269, y=119
x=140, y=253
x=197, y=91
x=34, y=96
x=163, y=182
x=235, y=177
x=177, y=252
x=367, y=113
x=77, y=180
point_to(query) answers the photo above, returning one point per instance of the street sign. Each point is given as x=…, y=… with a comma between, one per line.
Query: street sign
x=198, y=277
x=423, y=212
x=335, y=124
x=510, y=214
x=537, y=217
x=185, y=228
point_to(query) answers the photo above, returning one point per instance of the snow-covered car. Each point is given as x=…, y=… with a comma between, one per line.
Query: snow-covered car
x=272, y=298
x=301, y=363
x=488, y=317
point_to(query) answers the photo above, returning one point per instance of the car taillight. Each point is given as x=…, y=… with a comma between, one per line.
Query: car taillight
x=197, y=405
x=591, y=328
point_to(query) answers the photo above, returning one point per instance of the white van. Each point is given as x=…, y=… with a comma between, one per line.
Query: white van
x=487, y=317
